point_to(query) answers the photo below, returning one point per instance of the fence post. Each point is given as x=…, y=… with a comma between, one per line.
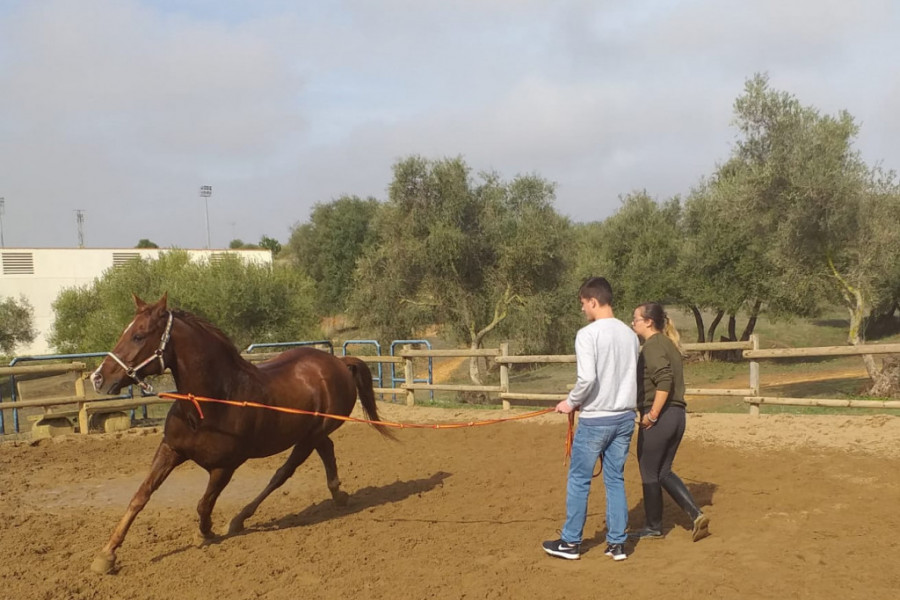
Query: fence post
x=754, y=376
x=409, y=376
x=79, y=384
x=504, y=374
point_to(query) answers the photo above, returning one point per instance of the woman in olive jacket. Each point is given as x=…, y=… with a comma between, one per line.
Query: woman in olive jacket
x=662, y=407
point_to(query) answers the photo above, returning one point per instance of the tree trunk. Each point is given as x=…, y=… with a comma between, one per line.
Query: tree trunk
x=698, y=320
x=728, y=355
x=477, y=365
x=857, y=322
x=476, y=369
x=887, y=383
x=711, y=336
x=751, y=323
x=857, y=305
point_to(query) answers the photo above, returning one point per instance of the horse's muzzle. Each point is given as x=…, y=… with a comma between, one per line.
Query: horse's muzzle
x=97, y=380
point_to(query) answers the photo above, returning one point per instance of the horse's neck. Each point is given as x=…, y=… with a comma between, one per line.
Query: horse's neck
x=206, y=366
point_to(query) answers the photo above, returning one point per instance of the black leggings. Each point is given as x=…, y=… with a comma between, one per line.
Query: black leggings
x=657, y=446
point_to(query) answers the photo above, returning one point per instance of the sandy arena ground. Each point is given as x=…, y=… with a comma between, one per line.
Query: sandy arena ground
x=801, y=507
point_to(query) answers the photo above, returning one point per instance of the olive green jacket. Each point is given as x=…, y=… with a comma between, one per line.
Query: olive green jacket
x=660, y=368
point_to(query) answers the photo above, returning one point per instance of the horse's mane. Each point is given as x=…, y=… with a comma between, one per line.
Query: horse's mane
x=202, y=324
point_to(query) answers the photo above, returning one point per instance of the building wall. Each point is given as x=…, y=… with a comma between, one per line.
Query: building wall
x=40, y=274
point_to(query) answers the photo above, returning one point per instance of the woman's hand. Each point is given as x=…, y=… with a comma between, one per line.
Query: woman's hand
x=647, y=421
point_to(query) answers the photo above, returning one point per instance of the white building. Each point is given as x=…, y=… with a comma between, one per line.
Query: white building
x=40, y=274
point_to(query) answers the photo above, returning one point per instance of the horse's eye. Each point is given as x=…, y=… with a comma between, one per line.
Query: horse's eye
x=137, y=338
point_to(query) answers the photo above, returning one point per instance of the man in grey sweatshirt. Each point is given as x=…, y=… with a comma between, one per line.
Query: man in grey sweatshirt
x=605, y=392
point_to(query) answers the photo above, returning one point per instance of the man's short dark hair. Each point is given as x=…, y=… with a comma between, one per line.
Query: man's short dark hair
x=597, y=288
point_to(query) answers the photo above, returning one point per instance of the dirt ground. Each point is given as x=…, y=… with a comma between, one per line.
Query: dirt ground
x=800, y=507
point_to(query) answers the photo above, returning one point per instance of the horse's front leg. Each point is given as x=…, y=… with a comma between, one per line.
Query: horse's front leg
x=164, y=461
x=218, y=479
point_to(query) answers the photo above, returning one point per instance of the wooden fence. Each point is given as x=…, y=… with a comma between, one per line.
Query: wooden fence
x=755, y=400
x=57, y=410
x=82, y=405
x=750, y=351
x=504, y=359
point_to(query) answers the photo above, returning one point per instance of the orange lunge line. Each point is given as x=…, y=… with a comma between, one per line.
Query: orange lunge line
x=196, y=400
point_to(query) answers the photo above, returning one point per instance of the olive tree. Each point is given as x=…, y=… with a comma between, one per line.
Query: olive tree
x=16, y=323
x=328, y=246
x=477, y=255
x=725, y=262
x=636, y=249
x=249, y=302
x=830, y=220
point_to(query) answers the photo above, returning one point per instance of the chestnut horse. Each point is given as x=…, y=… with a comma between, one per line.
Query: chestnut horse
x=204, y=362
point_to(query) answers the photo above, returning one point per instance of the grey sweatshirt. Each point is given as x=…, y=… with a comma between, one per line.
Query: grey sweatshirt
x=607, y=354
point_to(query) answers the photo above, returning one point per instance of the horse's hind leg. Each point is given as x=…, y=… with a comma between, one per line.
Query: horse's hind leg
x=164, y=461
x=218, y=479
x=299, y=454
x=325, y=448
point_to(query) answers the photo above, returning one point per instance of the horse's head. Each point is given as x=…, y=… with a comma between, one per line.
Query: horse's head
x=139, y=351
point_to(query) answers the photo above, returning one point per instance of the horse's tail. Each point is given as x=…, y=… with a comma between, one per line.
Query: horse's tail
x=363, y=377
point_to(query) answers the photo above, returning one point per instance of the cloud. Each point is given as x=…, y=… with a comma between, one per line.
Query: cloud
x=124, y=108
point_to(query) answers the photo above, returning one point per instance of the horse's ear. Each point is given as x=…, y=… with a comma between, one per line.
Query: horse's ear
x=138, y=303
x=160, y=306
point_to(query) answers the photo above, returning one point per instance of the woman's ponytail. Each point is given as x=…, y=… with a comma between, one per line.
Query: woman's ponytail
x=661, y=322
x=672, y=333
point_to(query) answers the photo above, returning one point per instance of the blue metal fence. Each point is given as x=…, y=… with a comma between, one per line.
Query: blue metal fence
x=253, y=347
x=377, y=346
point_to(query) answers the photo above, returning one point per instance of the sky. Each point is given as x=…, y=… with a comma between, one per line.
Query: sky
x=122, y=109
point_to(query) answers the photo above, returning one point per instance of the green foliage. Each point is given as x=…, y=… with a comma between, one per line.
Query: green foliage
x=637, y=250
x=16, y=323
x=145, y=243
x=239, y=244
x=726, y=265
x=328, y=247
x=828, y=218
x=882, y=215
x=249, y=302
x=271, y=244
x=806, y=178
x=479, y=257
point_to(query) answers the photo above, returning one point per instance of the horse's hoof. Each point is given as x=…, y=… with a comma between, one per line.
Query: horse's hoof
x=103, y=565
x=235, y=527
x=341, y=498
x=206, y=538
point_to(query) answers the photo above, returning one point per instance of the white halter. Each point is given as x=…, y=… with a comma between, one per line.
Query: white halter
x=158, y=354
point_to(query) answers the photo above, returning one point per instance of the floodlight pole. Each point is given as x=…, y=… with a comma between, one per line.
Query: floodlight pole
x=205, y=193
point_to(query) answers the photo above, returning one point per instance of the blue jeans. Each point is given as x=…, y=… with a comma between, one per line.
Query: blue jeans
x=611, y=439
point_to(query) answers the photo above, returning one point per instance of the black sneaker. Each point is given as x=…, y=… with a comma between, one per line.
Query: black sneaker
x=616, y=551
x=562, y=549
